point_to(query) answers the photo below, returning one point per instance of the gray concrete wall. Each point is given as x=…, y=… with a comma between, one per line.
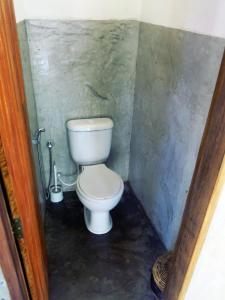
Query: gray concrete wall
x=84, y=69
x=175, y=78
x=31, y=103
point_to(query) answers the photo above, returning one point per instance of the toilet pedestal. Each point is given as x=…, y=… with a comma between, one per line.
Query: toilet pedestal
x=97, y=222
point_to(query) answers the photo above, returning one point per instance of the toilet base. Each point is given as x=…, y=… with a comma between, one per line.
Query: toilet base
x=97, y=222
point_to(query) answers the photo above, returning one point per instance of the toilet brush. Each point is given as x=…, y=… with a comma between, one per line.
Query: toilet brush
x=56, y=194
x=55, y=178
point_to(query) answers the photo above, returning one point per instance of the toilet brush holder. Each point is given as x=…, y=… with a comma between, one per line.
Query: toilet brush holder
x=56, y=193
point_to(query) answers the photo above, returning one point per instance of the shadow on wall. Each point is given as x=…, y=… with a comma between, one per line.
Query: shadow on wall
x=175, y=79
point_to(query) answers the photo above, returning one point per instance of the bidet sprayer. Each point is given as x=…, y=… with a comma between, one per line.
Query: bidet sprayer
x=37, y=135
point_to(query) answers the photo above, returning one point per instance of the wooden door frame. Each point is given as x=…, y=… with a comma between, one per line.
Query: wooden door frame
x=9, y=258
x=203, y=195
x=16, y=144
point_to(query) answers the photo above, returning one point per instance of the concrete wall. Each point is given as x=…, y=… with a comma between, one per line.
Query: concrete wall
x=31, y=103
x=84, y=69
x=175, y=79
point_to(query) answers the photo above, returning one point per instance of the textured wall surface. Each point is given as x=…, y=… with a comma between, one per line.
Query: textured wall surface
x=84, y=69
x=25, y=58
x=175, y=79
x=31, y=104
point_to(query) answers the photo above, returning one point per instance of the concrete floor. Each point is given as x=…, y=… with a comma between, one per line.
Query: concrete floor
x=114, y=266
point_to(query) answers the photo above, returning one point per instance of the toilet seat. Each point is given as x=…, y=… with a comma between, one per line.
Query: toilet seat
x=98, y=182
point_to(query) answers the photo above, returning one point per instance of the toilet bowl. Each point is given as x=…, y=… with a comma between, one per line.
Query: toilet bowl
x=99, y=189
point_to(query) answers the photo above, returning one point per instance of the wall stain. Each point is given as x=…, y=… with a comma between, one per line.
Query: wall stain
x=97, y=94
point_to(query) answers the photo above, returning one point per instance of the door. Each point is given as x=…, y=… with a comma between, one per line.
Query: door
x=9, y=257
x=16, y=160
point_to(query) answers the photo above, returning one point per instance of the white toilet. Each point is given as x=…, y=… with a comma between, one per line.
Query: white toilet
x=98, y=187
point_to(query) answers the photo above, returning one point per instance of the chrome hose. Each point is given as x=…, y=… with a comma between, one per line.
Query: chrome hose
x=37, y=141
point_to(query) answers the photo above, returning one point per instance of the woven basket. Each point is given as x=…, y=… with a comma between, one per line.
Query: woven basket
x=160, y=272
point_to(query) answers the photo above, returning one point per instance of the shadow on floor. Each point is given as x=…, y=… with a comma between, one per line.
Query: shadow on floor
x=113, y=266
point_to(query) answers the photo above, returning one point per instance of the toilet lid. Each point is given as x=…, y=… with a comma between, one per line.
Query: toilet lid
x=99, y=182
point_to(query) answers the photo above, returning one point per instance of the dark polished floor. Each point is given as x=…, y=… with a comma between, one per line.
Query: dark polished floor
x=114, y=266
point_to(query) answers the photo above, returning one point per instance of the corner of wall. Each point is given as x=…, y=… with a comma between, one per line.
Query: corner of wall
x=30, y=100
x=136, y=57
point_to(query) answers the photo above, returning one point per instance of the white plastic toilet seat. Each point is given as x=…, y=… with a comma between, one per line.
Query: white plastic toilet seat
x=98, y=182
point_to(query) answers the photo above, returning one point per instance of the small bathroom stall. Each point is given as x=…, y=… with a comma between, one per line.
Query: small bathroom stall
x=148, y=79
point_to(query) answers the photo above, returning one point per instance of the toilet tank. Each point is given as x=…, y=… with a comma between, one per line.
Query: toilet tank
x=90, y=140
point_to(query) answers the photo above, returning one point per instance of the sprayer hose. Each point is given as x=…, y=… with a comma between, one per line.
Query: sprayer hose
x=40, y=162
x=50, y=170
x=63, y=182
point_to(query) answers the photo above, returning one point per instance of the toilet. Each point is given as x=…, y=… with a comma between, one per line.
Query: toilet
x=98, y=188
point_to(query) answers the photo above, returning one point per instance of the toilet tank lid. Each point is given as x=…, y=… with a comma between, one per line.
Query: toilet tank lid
x=89, y=124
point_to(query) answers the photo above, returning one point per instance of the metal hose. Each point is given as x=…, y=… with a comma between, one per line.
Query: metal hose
x=49, y=145
x=37, y=142
x=41, y=171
